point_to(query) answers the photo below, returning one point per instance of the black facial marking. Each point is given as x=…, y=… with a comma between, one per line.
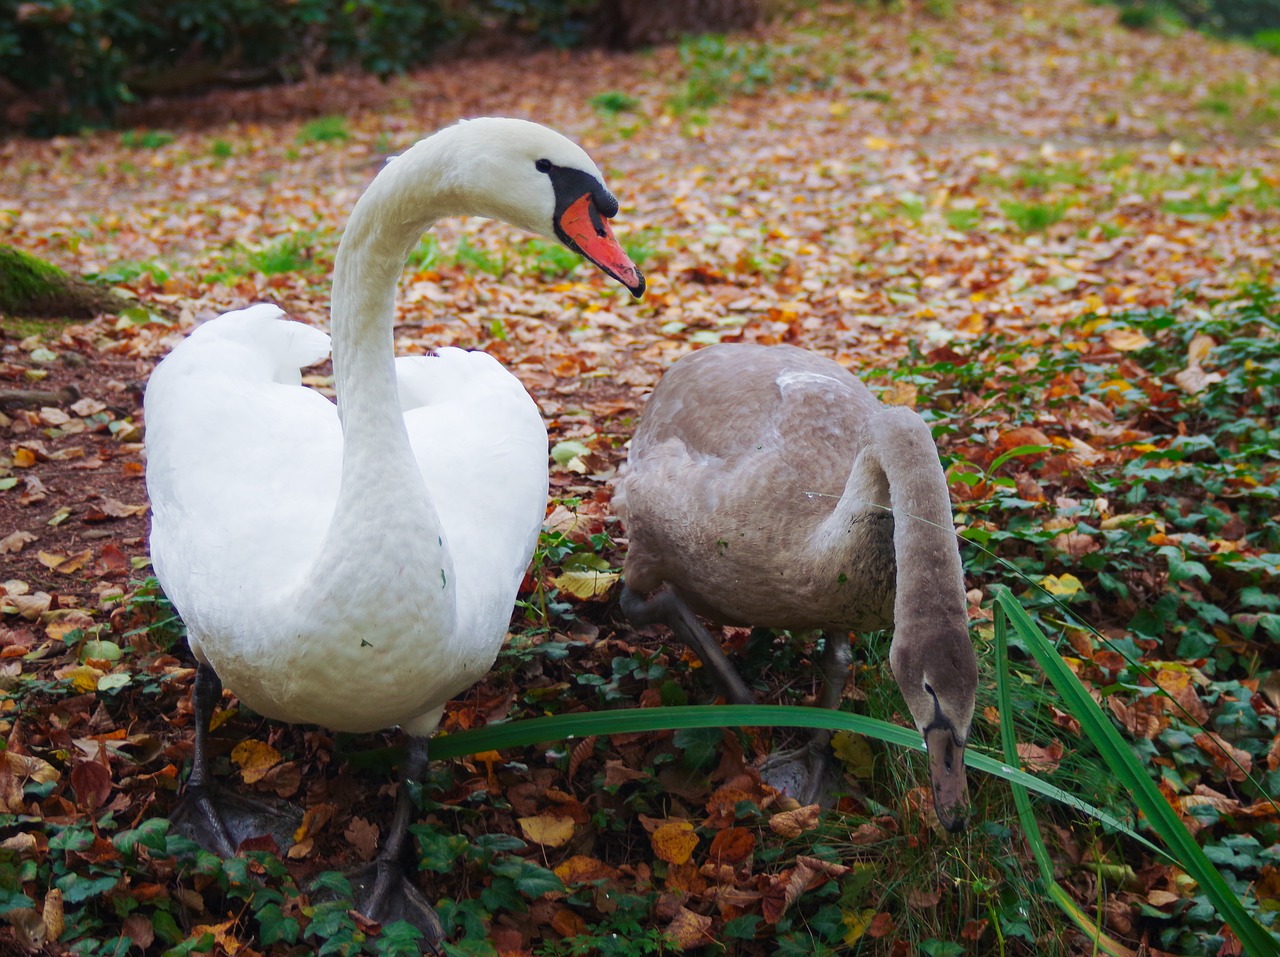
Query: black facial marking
x=570, y=185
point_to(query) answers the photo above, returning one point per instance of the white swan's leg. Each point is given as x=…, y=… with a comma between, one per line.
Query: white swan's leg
x=391, y=893
x=665, y=607
x=217, y=820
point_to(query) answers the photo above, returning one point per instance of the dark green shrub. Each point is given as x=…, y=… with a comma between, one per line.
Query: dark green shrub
x=1235, y=17
x=76, y=61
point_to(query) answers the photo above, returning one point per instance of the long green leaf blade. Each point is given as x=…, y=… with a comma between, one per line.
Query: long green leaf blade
x=1257, y=940
x=562, y=727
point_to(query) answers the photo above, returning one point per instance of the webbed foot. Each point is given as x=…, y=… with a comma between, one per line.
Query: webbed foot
x=385, y=892
x=220, y=820
x=809, y=773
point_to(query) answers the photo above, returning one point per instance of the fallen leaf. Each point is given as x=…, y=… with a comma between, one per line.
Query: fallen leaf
x=1061, y=584
x=733, y=845
x=674, y=842
x=254, y=759
x=138, y=928
x=1235, y=763
x=92, y=783
x=1125, y=339
x=14, y=542
x=856, y=924
x=688, y=930
x=549, y=830
x=794, y=823
x=53, y=913
x=580, y=869
x=586, y=576
x=363, y=836
x=1038, y=758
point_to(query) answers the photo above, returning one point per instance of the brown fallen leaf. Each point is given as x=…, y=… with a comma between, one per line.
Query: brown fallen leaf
x=688, y=930
x=1235, y=763
x=14, y=542
x=1038, y=758
x=363, y=836
x=794, y=823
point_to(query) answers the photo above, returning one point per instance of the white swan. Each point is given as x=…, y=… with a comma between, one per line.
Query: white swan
x=766, y=486
x=355, y=567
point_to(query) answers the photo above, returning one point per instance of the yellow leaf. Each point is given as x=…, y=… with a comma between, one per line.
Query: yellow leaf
x=1061, y=584
x=854, y=753
x=83, y=678
x=583, y=581
x=674, y=842
x=223, y=936
x=877, y=143
x=856, y=924
x=549, y=830
x=1126, y=340
x=254, y=759
x=23, y=459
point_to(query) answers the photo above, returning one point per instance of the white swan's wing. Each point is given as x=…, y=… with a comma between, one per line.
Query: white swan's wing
x=482, y=447
x=242, y=466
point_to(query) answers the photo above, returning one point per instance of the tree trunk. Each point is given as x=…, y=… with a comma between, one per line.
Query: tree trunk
x=627, y=24
x=35, y=289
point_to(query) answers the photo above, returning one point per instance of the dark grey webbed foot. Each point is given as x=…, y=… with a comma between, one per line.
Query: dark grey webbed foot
x=386, y=892
x=810, y=773
x=385, y=888
x=220, y=820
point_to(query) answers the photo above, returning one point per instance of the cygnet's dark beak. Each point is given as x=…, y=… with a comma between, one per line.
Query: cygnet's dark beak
x=946, y=772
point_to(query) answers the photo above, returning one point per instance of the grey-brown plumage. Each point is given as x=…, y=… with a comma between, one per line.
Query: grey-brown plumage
x=766, y=486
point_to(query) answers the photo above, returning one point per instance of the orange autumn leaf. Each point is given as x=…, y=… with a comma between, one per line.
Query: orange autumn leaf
x=581, y=869
x=674, y=842
x=733, y=845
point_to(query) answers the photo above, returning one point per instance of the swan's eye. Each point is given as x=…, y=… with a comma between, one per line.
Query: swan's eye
x=929, y=689
x=543, y=166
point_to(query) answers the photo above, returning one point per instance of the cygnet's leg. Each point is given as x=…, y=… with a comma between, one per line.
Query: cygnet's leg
x=665, y=607
x=389, y=892
x=808, y=773
x=216, y=819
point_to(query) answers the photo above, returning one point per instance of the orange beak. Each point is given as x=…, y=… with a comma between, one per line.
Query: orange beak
x=585, y=231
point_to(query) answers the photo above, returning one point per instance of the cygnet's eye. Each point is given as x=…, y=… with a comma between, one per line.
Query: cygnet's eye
x=543, y=166
x=929, y=689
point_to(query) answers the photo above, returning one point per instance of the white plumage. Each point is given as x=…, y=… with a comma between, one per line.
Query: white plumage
x=355, y=566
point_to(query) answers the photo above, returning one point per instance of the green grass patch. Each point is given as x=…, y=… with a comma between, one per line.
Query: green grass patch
x=325, y=129
x=145, y=139
x=1034, y=217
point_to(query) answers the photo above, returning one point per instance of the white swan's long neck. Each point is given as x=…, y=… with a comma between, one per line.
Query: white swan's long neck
x=402, y=203
x=897, y=470
x=383, y=513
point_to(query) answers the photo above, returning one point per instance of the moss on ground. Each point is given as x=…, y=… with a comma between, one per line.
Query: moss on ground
x=33, y=288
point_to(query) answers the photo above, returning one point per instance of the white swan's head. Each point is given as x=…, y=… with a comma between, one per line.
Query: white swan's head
x=534, y=178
